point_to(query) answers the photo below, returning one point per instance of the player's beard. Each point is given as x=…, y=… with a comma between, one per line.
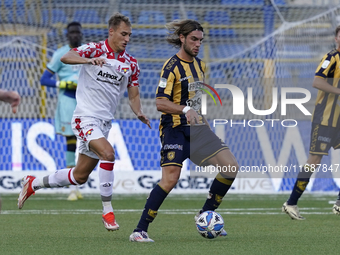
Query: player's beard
x=189, y=51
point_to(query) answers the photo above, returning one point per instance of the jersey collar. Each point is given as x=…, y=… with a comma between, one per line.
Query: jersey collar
x=110, y=50
x=186, y=61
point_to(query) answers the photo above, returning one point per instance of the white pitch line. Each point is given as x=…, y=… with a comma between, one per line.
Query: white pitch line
x=231, y=211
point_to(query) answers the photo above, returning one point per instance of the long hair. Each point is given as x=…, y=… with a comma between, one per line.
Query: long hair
x=337, y=31
x=181, y=27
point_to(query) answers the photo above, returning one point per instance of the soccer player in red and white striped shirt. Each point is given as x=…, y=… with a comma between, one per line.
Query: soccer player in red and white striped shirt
x=107, y=71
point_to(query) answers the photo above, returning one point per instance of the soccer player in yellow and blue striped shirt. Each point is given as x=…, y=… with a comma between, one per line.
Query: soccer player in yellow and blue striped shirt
x=184, y=132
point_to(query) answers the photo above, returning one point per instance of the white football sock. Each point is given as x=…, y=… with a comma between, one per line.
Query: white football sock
x=60, y=178
x=106, y=177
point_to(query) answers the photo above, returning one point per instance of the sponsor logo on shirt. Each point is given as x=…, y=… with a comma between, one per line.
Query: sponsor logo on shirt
x=185, y=78
x=110, y=76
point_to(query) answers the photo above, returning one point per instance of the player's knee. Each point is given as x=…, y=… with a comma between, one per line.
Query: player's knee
x=314, y=159
x=80, y=178
x=108, y=156
x=172, y=181
x=234, y=165
x=229, y=164
x=169, y=181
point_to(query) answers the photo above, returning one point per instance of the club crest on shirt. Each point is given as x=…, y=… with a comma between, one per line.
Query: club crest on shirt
x=123, y=69
x=89, y=132
x=323, y=146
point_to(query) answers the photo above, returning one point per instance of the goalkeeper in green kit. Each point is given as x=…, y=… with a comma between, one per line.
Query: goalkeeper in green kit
x=67, y=85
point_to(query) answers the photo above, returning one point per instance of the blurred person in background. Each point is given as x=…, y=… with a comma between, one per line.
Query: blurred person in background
x=13, y=98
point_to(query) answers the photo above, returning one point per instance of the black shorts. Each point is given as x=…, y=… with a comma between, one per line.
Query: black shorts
x=199, y=143
x=323, y=138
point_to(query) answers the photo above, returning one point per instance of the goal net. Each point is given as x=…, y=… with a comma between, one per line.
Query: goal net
x=258, y=44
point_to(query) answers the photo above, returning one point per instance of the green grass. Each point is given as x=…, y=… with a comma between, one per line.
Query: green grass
x=48, y=224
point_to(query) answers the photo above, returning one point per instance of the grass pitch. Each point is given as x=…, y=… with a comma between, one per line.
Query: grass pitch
x=48, y=224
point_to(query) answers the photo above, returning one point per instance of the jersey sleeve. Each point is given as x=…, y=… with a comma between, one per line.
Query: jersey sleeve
x=133, y=81
x=326, y=66
x=165, y=85
x=55, y=64
x=203, y=69
x=90, y=50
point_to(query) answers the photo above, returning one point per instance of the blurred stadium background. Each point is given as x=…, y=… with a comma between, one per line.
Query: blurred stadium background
x=250, y=43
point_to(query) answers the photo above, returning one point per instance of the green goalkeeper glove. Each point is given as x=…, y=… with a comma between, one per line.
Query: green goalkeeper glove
x=67, y=85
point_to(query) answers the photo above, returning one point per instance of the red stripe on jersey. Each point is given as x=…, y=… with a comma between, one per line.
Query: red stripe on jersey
x=106, y=166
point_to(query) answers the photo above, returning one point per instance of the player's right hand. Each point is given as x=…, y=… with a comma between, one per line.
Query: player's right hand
x=97, y=61
x=192, y=117
x=68, y=85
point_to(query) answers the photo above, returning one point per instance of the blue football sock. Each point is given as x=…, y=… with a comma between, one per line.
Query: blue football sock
x=155, y=200
x=218, y=189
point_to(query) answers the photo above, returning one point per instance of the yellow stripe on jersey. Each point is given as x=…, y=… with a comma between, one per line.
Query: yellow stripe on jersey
x=176, y=76
x=327, y=106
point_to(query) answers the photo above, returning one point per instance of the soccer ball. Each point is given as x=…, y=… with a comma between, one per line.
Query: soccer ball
x=209, y=224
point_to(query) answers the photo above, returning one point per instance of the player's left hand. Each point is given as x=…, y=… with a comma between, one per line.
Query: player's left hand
x=144, y=119
x=14, y=99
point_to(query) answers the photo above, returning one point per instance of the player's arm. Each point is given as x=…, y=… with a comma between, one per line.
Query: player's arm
x=73, y=58
x=167, y=106
x=136, y=107
x=11, y=97
x=323, y=85
x=47, y=80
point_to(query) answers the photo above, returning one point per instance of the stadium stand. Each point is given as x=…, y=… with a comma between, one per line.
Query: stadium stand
x=243, y=2
x=52, y=16
x=87, y=16
x=219, y=18
x=151, y=18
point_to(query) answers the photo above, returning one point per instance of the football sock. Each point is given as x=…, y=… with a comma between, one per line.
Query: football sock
x=107, y=206
x=154, y=201
x=218, y=189
x=60, y=178
x=300, y=185
x=71, y=145
x=106, y=177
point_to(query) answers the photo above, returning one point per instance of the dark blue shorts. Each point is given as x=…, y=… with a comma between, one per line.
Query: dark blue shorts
x=323, y=138
x=199, y=143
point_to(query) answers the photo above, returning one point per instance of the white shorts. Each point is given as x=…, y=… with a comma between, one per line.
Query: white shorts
x=87, y=129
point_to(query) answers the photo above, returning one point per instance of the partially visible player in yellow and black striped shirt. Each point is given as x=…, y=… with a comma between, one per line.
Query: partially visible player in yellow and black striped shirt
x=325, y=125
x=184, y=132
x=327, y=105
